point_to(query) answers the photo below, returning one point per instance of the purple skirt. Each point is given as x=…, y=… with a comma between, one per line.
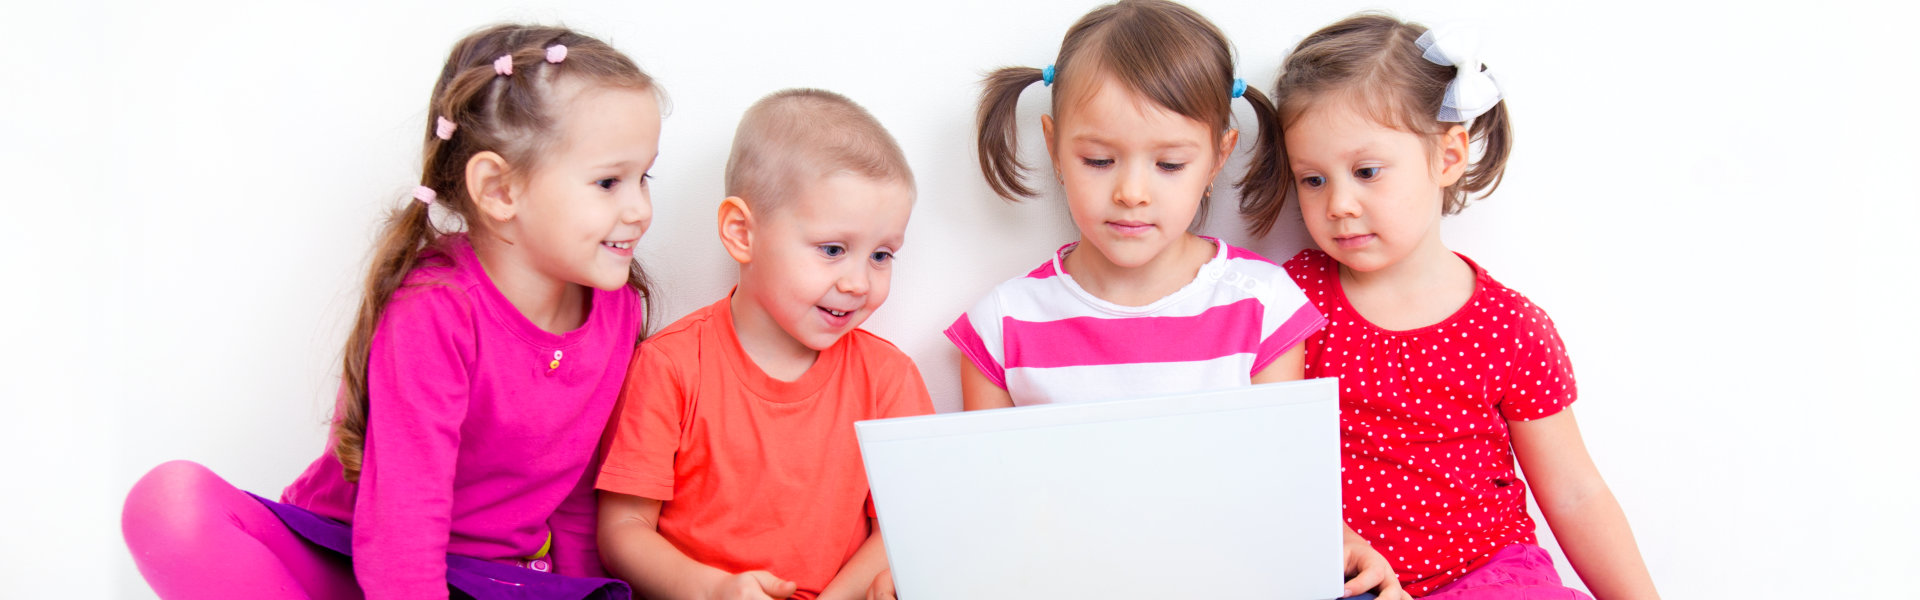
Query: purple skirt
x=467, y=577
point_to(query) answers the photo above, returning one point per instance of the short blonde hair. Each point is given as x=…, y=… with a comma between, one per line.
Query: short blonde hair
x=794, y=137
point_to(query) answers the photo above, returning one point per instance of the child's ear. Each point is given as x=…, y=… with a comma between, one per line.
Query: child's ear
x=1227, y=142
x=1455, y=151
x=1046, y=133
x=736, y=229
x=492, y=189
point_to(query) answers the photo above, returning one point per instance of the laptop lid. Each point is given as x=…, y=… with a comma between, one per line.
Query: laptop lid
x=1226, y=493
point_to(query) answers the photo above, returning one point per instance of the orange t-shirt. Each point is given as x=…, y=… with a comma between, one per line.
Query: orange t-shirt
x=755, y=473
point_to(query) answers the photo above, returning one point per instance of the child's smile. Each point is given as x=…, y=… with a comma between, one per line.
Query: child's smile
x=587, y=201
x=821, y=264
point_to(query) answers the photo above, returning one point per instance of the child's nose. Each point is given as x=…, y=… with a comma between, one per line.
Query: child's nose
x=1342, y=202
x=1131, y=188
x=637, y=208
x=855, y=281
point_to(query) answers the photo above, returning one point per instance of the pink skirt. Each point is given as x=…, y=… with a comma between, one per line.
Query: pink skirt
x=1517, y=572
x=466, y=577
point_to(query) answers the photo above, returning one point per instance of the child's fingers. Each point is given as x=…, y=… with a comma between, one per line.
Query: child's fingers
x=1390, y=590
x=882, y=588
x=772, y=584
x=1368, y=578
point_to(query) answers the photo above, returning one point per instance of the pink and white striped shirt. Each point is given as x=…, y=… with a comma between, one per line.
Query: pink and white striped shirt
x=1045, y=339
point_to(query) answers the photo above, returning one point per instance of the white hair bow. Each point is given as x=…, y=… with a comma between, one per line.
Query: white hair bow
x=1473, y=92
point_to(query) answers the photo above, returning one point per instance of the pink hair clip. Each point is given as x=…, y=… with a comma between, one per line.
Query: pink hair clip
x=503, y=65
x=443, y=128
x=556, y=53
x=424, y=194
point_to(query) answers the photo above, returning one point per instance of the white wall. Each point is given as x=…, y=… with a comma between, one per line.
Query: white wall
x=1714, y=205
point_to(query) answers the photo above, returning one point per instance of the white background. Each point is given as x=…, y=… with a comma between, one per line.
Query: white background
x=1715, y=204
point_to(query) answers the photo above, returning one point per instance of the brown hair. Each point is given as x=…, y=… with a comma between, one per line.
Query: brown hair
x=1161, y=50
x=1373, y=59
x=509, y=115
x=795, y=136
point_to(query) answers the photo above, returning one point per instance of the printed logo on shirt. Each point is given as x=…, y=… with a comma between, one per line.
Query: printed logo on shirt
x=1218, y=273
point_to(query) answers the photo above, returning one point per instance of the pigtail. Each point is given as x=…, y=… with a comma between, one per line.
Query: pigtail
x=408, y=231
x=1263, y=190
x=1494, y=132
x=1000, y=133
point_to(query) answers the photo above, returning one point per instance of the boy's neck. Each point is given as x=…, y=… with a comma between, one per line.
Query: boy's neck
x=553, y=305
x=1145, y=284
x=765, y=343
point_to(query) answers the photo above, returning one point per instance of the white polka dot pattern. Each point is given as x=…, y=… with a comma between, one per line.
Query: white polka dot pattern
x=1427, y=467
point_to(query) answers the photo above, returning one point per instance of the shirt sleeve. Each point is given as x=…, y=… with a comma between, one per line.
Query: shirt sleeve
x=417, y=374
x=1540, y=383
x=645, y=432
x=978, y=333
x=1287, y=318
x=905, y=395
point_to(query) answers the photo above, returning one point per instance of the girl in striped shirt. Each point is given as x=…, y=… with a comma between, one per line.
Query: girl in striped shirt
x=1139, y=305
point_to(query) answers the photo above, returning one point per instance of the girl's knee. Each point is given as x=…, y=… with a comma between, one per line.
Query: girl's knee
x=174, y=479
x=168, y=501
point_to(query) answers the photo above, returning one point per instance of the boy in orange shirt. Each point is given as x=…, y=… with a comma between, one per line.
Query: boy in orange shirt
x=731, y=466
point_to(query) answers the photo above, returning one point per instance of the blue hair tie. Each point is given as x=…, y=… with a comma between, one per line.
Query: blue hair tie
x=1239, y=87
x=1046, y=75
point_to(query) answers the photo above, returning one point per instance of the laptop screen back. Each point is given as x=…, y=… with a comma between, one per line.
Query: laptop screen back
x=1228, y=492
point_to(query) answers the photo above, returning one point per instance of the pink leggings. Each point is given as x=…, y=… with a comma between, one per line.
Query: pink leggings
x=194, y=535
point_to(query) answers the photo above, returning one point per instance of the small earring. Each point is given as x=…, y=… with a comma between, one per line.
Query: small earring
x=1207, y=196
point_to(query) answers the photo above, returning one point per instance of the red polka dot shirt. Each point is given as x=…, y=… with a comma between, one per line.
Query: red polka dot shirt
x=1426, y=462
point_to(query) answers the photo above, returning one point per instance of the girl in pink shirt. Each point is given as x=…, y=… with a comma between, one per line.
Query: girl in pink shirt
x=1446, y=376
x=482, y=367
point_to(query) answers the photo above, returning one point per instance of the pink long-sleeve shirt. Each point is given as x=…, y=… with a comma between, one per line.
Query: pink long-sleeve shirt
x=481, y=431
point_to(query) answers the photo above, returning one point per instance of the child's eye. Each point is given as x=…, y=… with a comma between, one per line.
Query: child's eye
x=882, y=256
x=608, y=183
x=1313, y=181
x=1098, y=163
x=1366, y=172
x=833, y=250
x=644, y=178
x=1171, y=167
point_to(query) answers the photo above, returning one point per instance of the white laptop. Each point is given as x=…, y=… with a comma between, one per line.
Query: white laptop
x=1223, y=494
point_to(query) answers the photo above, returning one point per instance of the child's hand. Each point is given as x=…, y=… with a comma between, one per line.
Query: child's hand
x=752, y=585
x=882, y=588
x=1368, y=570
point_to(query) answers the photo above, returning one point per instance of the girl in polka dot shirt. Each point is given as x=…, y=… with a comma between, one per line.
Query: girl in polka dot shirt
x=1446, y=376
